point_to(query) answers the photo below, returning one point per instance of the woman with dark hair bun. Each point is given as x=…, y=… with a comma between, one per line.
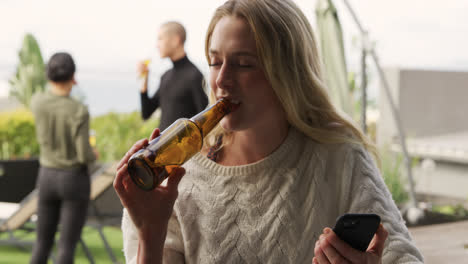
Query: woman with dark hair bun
x=61, y=67
x=62, y=129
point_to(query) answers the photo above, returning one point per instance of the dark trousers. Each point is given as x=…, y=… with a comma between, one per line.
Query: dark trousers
x=63, y=199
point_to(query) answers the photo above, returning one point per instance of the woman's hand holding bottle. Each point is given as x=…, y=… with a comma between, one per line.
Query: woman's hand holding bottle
x=149, y=210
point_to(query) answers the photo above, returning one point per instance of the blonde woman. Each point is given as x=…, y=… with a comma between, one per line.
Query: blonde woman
x=277, y=172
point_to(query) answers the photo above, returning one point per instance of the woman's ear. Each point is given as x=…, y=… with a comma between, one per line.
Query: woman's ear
x=73, y=80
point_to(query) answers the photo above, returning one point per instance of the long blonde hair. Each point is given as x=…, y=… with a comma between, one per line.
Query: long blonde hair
x=288, y=53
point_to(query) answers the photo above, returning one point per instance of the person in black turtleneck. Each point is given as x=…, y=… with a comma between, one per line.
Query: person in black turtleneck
x=180, y=92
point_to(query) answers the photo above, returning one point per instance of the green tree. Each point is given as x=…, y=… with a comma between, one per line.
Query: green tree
x=30, y=73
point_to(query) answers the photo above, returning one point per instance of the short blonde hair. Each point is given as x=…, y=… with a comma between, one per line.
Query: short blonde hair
x=288, y=53
x=176, y=28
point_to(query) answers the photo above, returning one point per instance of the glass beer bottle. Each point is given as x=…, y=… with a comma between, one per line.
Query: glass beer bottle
x=175, y=145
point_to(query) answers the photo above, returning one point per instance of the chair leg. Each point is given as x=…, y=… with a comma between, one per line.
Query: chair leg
x=106, y=244
x=12, y=239
x=101, y=234
x=87, y=252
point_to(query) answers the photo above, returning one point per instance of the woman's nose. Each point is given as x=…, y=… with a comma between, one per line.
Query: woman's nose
x=225, y=77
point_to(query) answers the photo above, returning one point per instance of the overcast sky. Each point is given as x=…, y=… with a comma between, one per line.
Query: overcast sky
x=111, y=36
x=107, y=34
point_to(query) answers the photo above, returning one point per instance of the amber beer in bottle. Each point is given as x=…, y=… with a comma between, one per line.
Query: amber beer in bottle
x=178, y=143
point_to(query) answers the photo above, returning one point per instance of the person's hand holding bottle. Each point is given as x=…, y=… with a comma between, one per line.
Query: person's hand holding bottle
x=142, y=71
x=92, y=143
x=149, y=210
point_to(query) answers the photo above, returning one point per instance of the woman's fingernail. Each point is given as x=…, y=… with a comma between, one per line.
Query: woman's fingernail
x=326, y=230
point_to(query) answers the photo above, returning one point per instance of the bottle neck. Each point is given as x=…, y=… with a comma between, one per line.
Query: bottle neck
x=211, y=116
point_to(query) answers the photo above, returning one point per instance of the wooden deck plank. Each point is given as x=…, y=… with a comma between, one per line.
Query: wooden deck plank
x=443, y=243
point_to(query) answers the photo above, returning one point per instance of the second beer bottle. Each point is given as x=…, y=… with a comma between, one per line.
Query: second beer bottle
x=178, y=143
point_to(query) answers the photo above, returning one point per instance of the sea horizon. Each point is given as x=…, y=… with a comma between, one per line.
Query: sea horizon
x=107, y=90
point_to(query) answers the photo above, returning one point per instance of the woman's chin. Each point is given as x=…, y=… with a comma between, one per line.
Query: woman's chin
x=228, y=125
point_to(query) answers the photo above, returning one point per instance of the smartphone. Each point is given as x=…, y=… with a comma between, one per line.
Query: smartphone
x=357, y=229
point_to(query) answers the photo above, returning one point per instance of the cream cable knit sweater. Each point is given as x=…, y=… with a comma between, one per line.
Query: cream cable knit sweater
x=273, y=211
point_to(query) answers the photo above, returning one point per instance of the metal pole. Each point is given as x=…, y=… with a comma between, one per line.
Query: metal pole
x=363, y=89
x=86, y=251
x=393, y=108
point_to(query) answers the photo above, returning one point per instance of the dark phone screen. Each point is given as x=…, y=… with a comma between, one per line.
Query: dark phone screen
x=357, y=229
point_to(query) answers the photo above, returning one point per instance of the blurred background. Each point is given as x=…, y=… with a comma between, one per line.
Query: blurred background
x=420, y=44
x=108, y=38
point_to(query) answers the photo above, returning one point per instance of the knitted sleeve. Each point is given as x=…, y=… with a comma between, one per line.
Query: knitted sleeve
x=130, y=239
x=173, y=248
x=369, y=194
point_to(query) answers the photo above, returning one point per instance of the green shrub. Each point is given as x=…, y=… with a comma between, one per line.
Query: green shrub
x=18, y=135
x=116, y=133
x=457, y=210
x=391, y=172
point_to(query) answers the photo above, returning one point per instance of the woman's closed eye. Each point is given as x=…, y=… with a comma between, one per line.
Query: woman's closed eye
x=245, y=65
x=234, y=65
x=217, y=65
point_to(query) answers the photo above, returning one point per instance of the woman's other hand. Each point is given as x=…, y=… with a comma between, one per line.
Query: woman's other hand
x=149, y=210
x=331, y=249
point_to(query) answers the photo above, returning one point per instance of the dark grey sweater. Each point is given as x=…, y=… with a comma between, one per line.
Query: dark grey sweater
x=180, y=94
